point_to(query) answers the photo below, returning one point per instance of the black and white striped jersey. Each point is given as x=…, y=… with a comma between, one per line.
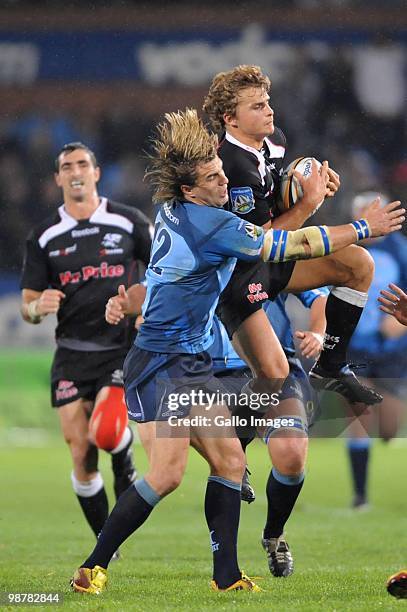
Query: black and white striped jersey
x=254, y=176
x=87, y=260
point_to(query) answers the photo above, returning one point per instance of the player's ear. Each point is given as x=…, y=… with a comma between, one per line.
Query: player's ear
x=57, y=179
x=230, y=120
x=97, y=173
x=187, y=190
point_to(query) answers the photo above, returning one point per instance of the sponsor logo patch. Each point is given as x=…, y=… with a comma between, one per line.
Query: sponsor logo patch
x=242, y=200
x=90, y=272
x=256, y=293
x=65, y=390
x=63, y=252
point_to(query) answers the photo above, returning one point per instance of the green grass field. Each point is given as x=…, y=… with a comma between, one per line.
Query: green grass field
x=342, y=558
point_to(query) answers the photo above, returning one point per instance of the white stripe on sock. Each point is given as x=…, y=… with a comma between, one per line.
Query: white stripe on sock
x=352, y=296
x=89, y=487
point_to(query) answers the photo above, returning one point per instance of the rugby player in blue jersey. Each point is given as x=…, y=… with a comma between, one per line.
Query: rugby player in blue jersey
x=287, y=445
x=195, y=248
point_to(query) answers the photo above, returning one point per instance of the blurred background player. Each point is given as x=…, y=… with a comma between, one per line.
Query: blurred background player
x=252, y=149
x=74, y=261
x=379, y=348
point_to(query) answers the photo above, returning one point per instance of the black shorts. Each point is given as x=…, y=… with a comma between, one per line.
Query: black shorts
x=81, y=374
x=250, y=286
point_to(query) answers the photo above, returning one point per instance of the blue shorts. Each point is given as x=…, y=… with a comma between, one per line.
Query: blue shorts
x=163, y=385
x=296, y=386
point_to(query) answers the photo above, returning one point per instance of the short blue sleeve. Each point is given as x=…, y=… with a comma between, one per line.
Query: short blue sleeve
x=235, y=237
x=308, y=297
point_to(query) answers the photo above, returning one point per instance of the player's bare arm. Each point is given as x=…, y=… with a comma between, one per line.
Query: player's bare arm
x=37, y=304
x=312, y=340
x=126, y=302
x=394, y=303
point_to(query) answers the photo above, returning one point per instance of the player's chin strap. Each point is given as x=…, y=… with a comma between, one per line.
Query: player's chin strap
x=305, y=243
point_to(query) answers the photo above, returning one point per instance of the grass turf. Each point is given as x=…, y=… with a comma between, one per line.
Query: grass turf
x=342, y=557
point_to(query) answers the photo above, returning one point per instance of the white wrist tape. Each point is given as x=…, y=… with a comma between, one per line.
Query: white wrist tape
x=32, y=312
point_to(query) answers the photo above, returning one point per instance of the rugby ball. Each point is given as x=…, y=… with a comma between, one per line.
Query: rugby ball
x=290, y=188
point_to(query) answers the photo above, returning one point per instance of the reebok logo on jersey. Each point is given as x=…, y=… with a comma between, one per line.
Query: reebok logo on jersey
x=86, y=272
x=88, y=231
x=242, y=200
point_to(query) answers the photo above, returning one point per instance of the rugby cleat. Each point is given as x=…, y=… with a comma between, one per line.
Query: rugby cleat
x=344, y=382
x=243, y=584
x=279, y=557
x=360, y=503
x=86, y=580
x=397, y=585
x=247, y=493
x=124, y=470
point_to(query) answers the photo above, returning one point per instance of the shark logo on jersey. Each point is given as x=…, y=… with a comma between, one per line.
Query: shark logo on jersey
x=242, y=200
x=110, y=241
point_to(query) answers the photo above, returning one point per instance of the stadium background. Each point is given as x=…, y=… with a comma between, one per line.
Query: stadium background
x=104, y=74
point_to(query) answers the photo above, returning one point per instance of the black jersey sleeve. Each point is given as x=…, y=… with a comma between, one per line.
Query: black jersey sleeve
x=143, y=232
x=35, y=273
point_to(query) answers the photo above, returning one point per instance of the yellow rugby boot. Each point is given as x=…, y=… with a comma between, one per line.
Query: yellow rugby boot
x=244, y=584
x=86, y=580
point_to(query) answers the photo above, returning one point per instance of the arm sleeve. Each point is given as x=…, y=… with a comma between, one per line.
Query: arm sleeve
x=235, y=237
x=142, y=233
x=308, y=297
x=35, y=273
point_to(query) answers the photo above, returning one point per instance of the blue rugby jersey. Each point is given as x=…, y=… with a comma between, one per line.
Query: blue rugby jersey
x=194, y=252
x=367, y=338
x=278, y=317
x=222, y=352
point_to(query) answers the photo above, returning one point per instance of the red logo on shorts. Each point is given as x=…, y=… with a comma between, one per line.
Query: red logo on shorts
x=256, y=293
x=66, y=389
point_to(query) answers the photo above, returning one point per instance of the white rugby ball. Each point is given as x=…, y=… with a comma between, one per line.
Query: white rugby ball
x=290, y=188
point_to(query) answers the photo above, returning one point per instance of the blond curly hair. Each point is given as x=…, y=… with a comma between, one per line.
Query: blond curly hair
x=182, y=143
x=222, y=97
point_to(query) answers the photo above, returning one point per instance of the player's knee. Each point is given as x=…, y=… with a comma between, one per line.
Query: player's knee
x=273, y=374
x=109, y=419
x=363, y=268
x=170, y=481
x=290, y=461
x=229, y=464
